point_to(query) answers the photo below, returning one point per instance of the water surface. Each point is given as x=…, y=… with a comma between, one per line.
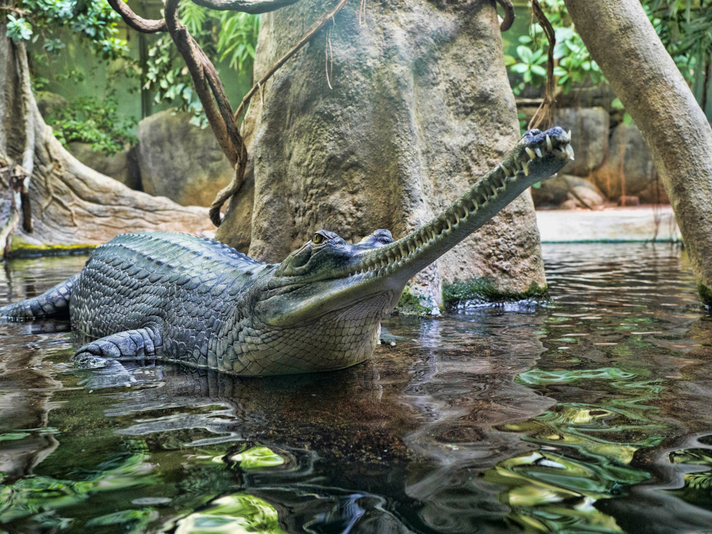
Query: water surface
x=592, y=413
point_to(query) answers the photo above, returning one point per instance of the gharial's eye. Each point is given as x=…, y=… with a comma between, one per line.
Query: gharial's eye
x=318, y=239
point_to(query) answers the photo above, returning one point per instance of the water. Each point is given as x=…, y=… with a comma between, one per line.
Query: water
x=590, y=414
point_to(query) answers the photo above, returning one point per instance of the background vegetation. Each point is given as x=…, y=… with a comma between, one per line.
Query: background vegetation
x=73, y=44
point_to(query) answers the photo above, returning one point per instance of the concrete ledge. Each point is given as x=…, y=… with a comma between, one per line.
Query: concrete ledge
x=611, y=225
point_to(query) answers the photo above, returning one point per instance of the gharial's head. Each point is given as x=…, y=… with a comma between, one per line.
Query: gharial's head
x=327, y=274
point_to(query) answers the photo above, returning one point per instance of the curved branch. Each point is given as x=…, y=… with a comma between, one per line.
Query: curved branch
x=508, y=14
x=304, y=40
x=253, y=7
x=135, y=22
x=202, y=72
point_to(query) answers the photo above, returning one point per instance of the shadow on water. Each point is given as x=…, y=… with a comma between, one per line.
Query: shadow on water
x=589, y=414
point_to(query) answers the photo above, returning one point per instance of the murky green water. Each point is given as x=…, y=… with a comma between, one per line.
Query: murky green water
x=592, y=414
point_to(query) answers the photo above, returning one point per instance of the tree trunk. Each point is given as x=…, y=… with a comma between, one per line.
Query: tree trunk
x=645, y=78
x=51, y=201
x=380, y=122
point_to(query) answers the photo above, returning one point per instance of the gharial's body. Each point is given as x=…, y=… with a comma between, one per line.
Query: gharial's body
x=196, y=301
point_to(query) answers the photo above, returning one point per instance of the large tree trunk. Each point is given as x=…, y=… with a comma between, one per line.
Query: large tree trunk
x=643, y=75
x=382, y=125
x=51, y=201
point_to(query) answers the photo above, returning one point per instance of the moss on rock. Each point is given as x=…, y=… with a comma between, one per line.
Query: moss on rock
x=20, y=248
x=485, y=290
x=409, y=304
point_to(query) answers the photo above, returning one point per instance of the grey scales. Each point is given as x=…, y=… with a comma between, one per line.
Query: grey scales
x=179, y=298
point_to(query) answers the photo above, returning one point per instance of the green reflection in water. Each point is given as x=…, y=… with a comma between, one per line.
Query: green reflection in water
x=539, y=376
x=233, y=514
x=585, y=452
x=257, y=458
x=41, y=496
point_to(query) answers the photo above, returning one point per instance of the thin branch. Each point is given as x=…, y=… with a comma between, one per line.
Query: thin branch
x=254, y=7
x=545, y=109
x=304, y=40
x=132, y=20
x=508, y=14
x=16, y=10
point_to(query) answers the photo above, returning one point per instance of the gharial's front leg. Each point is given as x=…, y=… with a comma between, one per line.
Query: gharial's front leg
x=129, y=345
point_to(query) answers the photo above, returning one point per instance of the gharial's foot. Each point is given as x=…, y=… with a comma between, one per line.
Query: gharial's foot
x=130, y=345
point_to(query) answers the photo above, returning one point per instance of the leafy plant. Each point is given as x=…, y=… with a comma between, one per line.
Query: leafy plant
x=95, y=22
x=684, y=27
x=573, y=62
x=227, y=35
x=94, y=121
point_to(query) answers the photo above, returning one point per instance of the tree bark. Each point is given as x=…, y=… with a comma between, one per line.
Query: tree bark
x=381, y=121
x=51, y=201
x=623, y=42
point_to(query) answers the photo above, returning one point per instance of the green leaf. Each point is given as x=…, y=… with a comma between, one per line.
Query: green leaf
x=617, y=104
x=540, y=71
x=525, y=54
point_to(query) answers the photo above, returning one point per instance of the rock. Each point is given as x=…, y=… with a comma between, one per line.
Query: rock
x=588, y=197
x=556, y=191
x=629, y=201
x=638, y=176
x=121, y=166
x=416, y=107
x=180, y=161
x=587, y=95
x=589, y=137
x=47, y=102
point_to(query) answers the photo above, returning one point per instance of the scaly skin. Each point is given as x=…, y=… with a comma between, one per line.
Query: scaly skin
x=196, y=301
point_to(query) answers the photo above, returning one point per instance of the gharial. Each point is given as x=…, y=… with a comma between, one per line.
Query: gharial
x=178, y=298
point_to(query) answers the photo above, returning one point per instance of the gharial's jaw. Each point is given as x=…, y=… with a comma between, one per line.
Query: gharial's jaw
x=535, y=157
x=388, y=267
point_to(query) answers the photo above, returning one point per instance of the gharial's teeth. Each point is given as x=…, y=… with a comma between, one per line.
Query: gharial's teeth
x=538, y=152
x=531, y=153
x=525, y=166
x=548, y=143
x=570, y=151
x=507, y=171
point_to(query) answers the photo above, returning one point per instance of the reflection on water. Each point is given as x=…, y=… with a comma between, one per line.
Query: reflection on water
x=590, y=414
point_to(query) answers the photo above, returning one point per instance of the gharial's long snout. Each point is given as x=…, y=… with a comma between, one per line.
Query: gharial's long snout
x=536, y=156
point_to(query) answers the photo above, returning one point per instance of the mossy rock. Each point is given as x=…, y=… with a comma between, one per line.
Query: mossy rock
x=409, y=304
x=20, y=248
x=484, y=290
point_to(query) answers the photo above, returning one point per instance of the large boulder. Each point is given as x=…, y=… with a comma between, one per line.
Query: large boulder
x=565, y=191
x=179, y=160
x=637, y=175
x=121, y=166
x=415, y=107
x=589, y=137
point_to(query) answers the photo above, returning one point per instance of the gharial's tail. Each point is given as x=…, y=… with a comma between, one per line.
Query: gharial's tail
x=52, y=303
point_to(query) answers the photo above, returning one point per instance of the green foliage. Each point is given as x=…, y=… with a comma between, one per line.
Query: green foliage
x=237, y=38
x=95, y=22
x=90, y=120
x=684, y=27
x=226, y=35
x=573, y=62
